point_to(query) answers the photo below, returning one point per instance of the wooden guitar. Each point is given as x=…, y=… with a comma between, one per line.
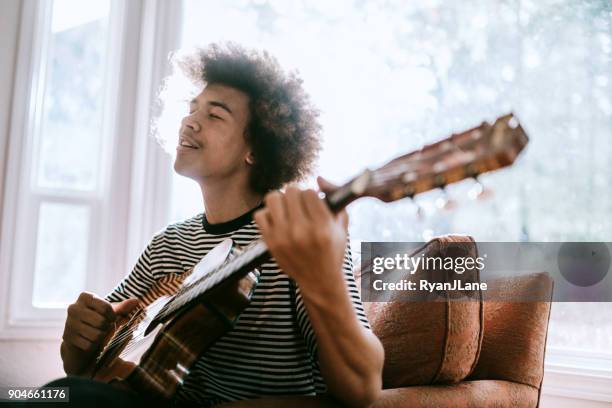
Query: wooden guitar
x=153, y=352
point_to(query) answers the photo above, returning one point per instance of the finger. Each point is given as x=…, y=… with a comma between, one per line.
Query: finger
x=76, y=326
x=92, y=318
x=80, y=342
x=262, y=220
x=125, y=307
x=295, y=208
x=91, y=334
x=100, y=305
x=316, y=207
x=276, y=208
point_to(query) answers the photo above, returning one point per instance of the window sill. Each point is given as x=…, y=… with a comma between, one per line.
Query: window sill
x=32, y=331
x=578, y=374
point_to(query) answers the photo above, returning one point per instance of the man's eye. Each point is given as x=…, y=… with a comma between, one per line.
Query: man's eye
x=212, y=115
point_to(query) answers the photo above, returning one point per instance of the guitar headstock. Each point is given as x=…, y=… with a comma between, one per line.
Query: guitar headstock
x=482, y=149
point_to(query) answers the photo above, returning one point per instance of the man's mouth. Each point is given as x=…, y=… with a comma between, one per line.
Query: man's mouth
x=187, y=144
x=184, y=142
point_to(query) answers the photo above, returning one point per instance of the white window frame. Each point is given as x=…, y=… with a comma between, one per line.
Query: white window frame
x=131, y=202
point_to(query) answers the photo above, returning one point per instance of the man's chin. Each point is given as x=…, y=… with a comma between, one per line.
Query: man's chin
x=185, y=171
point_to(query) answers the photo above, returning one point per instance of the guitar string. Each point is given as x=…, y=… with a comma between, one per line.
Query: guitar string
x=136, y=340
x=467, y=146
x=257, y=248
x=381, y=177
x=399, y=168
x=187, y=293
x=129, y=331
x=202, y=284
x=147, y=319
x=215, y=276
x=207, y=275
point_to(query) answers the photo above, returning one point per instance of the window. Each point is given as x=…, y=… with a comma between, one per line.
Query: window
x=390, y=76
x=84, y=179
x=68, y=134
x=62, y=170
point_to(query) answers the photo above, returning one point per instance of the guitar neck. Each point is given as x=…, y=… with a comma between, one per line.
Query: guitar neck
x=478, y=150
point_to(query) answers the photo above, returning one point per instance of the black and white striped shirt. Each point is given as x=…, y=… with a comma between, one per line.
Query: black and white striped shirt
x=271, y=350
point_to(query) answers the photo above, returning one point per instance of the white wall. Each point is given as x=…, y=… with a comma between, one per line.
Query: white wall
x=26, y=363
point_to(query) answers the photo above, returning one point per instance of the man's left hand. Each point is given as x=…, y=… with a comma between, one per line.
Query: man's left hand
x=306, y=239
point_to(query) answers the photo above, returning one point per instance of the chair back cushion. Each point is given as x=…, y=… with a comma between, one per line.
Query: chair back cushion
x=516, y=316
x=433, y=340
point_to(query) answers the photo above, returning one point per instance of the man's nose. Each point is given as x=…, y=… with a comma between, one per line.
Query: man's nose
x=191, y=124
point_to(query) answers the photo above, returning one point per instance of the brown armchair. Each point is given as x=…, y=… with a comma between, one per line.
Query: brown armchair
x=457, y=353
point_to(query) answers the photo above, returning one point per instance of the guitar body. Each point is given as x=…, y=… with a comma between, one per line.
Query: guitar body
x=153, y=357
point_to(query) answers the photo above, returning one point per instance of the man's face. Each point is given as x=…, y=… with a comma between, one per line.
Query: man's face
x=211, y=139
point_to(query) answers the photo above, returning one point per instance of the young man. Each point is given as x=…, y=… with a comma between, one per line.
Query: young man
x=250, y=131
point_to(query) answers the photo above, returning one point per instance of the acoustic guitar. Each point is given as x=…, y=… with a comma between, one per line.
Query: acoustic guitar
x=153, y=351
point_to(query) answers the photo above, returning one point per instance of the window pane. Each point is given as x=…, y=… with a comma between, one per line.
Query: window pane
x=61, y=254
x=70, y=134
x=391, y=76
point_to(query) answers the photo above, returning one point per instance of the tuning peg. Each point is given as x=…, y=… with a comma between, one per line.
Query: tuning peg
x=480, y=191
x=420, y=211
x=445, y=202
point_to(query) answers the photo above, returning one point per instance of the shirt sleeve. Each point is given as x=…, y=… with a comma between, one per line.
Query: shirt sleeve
x=302, y=315
x=140, y=279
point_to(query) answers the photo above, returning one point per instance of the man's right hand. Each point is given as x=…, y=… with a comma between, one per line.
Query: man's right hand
x=90, y=321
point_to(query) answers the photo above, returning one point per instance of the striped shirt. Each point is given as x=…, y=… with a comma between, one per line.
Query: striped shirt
x=272, y=348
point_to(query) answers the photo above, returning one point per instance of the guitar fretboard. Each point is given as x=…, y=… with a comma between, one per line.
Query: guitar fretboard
x=256, y=251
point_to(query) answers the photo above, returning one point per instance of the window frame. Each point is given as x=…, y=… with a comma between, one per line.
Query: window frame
x=19, y=313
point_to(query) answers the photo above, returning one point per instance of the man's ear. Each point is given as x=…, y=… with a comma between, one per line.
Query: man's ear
x=249, y=159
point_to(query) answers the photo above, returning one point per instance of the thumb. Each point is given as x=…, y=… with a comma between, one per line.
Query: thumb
x=325, y=186
x=125, y=307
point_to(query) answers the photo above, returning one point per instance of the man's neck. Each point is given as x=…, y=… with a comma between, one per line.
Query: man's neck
x=225, y=201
